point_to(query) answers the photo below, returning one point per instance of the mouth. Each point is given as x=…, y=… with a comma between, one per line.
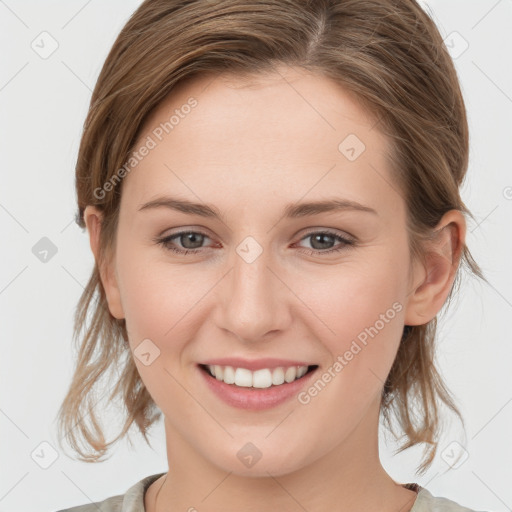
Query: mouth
x=258, y=389
x=263, y=378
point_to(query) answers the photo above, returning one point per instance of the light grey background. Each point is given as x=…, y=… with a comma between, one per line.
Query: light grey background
x=44, y=101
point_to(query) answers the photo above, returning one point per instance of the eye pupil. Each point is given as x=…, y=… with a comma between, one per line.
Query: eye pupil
x=195, y=238
x=320, y=237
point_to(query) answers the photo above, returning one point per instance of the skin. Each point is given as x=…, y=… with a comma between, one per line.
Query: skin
x=270, y=142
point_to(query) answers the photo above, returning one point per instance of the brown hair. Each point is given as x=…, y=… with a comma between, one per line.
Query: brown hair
x=387, y=53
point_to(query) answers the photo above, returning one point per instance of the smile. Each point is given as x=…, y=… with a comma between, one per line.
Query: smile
x=255, y=390
x=263, y=378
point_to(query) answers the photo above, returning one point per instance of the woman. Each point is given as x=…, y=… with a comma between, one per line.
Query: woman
x=271, y=191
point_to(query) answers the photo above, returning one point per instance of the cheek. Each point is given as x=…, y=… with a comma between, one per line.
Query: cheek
x=353, y=297
x=362, y=312
x=365, y=328
x=159, y=302
x=158, y=297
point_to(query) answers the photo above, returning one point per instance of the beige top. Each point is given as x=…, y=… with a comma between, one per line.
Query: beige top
x=133, y=500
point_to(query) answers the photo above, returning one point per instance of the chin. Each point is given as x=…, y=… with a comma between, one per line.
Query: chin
x=254, y=460
x=276, y=467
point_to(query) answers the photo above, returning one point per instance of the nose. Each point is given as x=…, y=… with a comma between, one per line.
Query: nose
x=254, y=300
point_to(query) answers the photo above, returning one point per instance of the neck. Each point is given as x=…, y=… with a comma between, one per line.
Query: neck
x=348, y=478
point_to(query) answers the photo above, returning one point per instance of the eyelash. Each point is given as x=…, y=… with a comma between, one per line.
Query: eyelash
x=346, y=243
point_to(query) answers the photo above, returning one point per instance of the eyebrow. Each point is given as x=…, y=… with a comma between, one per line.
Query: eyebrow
x=292, y=211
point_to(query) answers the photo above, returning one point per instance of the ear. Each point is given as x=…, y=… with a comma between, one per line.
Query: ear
x=433, y=281
x=93, y=218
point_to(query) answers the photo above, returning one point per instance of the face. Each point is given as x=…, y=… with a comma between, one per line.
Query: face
x=261, y=281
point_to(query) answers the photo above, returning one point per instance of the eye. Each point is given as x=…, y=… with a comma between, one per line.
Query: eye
x=322, y=238
x=192, y=241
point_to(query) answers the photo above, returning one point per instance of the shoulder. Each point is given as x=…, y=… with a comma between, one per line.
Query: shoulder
x=112, y=504
x=131, y=501
x=426, y=502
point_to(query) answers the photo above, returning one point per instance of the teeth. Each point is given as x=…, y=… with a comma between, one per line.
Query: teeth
x=243, y=377
x=290, y=374
x=278, y=376
x=218, y=372
x=302, y=370
x=258, y=379
x=229, y=375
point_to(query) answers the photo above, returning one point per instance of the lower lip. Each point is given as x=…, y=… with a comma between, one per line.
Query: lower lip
x=255, y=398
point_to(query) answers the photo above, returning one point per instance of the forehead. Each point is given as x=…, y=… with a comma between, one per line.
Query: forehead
x=282, y=98
x=288, y=134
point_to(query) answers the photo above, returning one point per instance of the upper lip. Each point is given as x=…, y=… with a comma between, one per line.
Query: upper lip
x=255, y=364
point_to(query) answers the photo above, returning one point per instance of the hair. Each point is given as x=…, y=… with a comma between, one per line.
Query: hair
x=388, y=54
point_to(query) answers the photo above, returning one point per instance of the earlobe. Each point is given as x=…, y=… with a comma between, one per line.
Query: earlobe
x=437, y=275
x=93, y=218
